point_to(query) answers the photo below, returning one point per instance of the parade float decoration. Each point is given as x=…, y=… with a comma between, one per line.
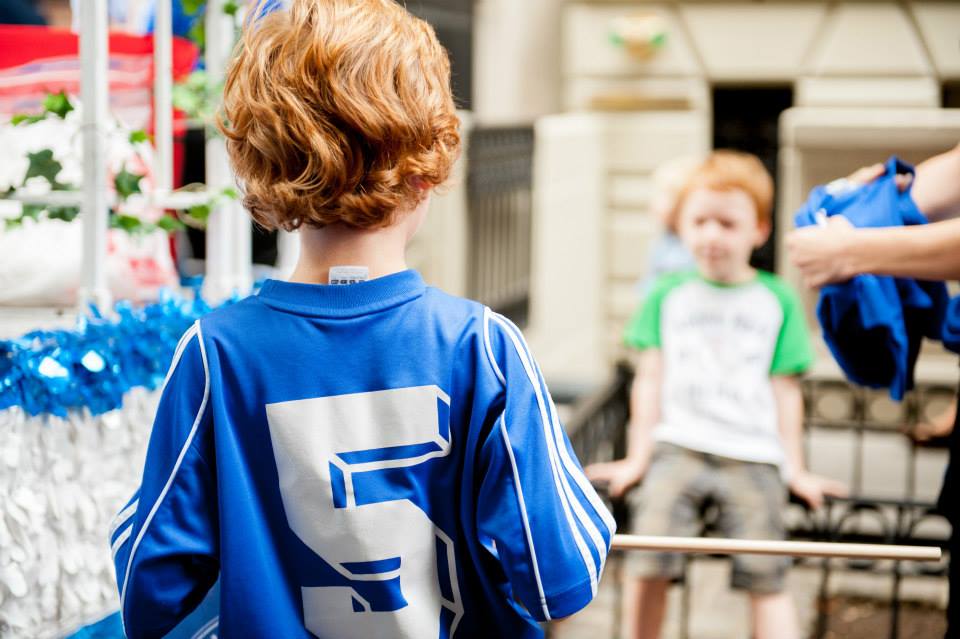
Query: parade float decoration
x=87, y=205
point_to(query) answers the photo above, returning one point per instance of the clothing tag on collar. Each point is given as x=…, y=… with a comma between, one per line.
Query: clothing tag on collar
x=349, y=274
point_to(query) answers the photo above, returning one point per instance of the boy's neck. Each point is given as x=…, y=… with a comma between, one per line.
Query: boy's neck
x=382, y=251
x=741, y=276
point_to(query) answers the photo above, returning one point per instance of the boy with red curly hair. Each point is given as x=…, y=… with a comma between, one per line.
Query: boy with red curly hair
x=716, y=404
x=373, y=459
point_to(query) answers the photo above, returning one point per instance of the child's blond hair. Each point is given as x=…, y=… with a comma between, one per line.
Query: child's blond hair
x=726, y=170
x=332, y=108
x=669, y=179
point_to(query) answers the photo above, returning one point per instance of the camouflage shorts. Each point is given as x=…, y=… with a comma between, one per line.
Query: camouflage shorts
x=680, y=483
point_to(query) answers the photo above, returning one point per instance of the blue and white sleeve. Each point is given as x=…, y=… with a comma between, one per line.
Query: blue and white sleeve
x=165, y=539
x=537, y=511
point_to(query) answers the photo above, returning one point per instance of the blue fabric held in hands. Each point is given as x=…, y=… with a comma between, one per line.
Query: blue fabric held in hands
x=874, y=324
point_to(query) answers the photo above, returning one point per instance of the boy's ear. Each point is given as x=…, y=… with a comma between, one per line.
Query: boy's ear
x=419, y=183
x=763, y=233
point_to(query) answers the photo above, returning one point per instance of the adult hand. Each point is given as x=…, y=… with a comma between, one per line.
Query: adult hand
x=620, y=475
x=925, y=431
x=813, y=488
x=867, y=174
x=822, y=253
x=936, y=428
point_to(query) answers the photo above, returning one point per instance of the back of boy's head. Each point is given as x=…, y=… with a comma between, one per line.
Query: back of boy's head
x=338, y=111
x=728, y=170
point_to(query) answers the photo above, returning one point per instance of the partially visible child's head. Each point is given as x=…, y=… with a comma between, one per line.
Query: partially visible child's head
x=338, y=111
x=668, y=180
x=724, y=213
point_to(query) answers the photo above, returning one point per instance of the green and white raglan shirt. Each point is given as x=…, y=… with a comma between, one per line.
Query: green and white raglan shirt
x=721, y=345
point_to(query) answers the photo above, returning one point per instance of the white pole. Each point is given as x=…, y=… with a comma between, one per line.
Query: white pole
x=707, y=545
x=216, y=282
x=228, y=229
x=93, y=95
x=162, y=95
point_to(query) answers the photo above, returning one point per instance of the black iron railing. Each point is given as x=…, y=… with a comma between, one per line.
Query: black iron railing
x=499, y=181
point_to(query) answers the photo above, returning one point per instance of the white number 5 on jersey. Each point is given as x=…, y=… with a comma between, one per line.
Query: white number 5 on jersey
x=330, y=453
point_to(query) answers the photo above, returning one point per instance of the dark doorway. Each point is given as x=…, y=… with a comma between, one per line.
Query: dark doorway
x=747, y=119
x=951, y=95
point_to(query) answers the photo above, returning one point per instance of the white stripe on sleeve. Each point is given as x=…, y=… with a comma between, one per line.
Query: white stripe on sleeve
x=190, y=334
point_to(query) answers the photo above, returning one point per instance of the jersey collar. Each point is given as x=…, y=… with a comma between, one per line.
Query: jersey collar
x=344, y=300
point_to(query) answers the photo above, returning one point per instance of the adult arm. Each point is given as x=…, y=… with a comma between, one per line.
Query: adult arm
x=838, y=251
x=936, y=187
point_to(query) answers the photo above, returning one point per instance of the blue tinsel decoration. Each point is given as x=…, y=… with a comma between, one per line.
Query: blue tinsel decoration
x=94, y=365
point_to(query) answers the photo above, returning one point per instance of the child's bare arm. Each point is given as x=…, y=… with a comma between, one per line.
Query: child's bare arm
x=788, y=395
x=644, y=404
x=620, y=475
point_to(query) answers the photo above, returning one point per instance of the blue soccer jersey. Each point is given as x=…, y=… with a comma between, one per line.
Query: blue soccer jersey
x=373, y=460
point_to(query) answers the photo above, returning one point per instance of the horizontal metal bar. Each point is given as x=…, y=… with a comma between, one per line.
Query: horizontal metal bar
x=765, y=547
x=159, y=199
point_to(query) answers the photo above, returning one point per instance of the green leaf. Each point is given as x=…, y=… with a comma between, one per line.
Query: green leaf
x=57, y=103
x=200, y=212
x=198, y=33
x=42, y=164
x=190, y=7
x=230, y=192
x=138, y=136
x=197, y=96
x=65, y=213
x=127, y=183
x=197, y=80
x=170, y=224
x=185, y=99
x=32, y=211
x=230, y=8
x=128, y=223
x=24, y=118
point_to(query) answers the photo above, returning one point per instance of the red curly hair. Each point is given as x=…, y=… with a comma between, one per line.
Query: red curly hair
x=332, y=108
x=725, y=170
